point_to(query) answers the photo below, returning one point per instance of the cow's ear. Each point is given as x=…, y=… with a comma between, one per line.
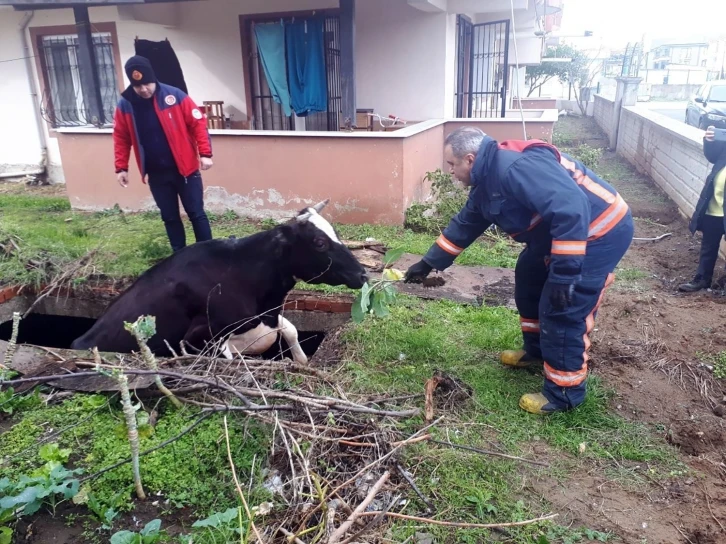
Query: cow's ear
x=285, y=235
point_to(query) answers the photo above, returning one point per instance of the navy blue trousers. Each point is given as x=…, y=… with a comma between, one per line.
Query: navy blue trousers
x=168, y=188
x=561, y=338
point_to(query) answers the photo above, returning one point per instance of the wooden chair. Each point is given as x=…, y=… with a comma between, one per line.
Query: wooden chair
x=215, y=113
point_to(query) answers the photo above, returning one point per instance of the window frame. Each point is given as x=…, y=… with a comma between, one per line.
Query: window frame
x=38, y=33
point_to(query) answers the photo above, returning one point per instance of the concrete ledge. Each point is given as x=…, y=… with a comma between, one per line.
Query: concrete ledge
x=682, y=131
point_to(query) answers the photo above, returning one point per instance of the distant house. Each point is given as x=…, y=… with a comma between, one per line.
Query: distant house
x=424, y=61
x=681, y=54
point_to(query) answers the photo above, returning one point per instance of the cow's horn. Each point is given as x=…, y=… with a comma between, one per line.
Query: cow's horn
x=303, y=217
x=320, y=205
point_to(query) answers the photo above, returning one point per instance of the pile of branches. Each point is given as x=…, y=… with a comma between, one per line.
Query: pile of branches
x=335, y=462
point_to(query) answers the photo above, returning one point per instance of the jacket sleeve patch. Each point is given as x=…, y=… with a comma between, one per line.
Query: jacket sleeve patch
x=196, y=113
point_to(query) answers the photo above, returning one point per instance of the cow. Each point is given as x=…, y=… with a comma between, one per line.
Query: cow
x=230, y=290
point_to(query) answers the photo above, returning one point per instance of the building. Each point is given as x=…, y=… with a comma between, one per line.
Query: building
x=424, y=61
x=661, y=57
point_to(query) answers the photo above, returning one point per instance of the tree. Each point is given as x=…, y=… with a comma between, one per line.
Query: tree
x=541, y=74
x=581, y=73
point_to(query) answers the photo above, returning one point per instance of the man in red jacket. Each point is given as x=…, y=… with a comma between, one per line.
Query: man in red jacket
x=170, y=140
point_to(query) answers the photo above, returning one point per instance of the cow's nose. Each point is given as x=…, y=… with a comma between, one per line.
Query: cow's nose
x=364, y=277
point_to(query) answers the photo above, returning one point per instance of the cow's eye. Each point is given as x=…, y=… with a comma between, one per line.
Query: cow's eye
x=320, y=244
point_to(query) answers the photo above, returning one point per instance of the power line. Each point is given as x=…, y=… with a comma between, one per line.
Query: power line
x=19, y=58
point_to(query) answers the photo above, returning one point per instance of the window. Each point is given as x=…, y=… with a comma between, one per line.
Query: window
x=266, y=114
x=64, y=103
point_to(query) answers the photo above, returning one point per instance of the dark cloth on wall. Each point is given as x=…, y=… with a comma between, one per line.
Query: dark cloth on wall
x=164, y=61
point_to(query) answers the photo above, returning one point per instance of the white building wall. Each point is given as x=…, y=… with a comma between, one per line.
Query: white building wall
x=405, y=60
x=401, y=60
x=19, y=142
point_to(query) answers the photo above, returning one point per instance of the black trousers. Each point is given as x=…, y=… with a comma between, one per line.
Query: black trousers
x=713, y=231
x=168, y=188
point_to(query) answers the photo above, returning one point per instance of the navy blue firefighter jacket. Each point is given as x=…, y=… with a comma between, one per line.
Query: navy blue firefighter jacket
x=540, y=197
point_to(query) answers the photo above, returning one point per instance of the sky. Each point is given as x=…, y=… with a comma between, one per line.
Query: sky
x=617, y=22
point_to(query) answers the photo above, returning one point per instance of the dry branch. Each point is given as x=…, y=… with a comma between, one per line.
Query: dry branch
x=65, y=275
x=409, y=481
x=463, y=525
x=493, y=453
x=239, y=487
x=12, y=345
x=340, y=532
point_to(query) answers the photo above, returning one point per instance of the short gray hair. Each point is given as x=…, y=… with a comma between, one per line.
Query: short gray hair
x=465, y=141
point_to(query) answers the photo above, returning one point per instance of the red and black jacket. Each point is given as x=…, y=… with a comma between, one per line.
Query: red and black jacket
x=184, y=125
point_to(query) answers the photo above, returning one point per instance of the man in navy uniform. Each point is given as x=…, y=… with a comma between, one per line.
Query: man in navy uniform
x=576, y=228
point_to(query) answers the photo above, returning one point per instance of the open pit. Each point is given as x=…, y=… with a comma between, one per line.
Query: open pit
x=55, y=321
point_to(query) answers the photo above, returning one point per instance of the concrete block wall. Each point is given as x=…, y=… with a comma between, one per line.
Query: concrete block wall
x=603, y=113
x=669, y=152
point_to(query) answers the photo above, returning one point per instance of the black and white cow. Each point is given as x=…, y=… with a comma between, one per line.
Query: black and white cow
x=230, y=289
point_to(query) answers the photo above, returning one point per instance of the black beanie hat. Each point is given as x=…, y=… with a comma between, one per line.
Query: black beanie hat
x=139, y=70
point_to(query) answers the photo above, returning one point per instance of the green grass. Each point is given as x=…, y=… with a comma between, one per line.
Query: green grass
x=47, y=231
x=400, y=353
x=397, y=355
x=193, y=471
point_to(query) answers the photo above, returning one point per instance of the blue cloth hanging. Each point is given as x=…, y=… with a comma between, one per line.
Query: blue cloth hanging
x=271, y=47
x=306, y=66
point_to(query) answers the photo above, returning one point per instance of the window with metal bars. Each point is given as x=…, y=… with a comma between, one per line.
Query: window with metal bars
x=64, y=103
x=268, y=115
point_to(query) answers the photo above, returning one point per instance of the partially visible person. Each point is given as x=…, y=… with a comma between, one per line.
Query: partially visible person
x=169, y=136
x=576, y=228
x=709, y=215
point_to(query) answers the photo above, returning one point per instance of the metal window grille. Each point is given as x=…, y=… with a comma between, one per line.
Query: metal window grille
x=482, y=68
x=268, y=115
x=64, y=104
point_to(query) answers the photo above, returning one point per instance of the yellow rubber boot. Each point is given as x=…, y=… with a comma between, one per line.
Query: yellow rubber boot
x=519, y=359
x=537, y=403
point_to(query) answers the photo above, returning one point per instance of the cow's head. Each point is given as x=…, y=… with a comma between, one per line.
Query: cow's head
x=318, y=255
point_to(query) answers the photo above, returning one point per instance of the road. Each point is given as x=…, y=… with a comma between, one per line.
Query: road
x=674, y=110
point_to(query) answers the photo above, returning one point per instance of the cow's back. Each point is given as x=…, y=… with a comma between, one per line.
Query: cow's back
x=216, y=281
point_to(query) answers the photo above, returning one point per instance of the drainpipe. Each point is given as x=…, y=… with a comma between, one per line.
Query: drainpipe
x=27, y=50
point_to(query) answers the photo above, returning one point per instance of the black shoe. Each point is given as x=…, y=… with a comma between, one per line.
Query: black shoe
x=696, y=285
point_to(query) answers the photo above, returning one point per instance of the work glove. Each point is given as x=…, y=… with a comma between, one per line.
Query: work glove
x=561, y=295
x=417, y=272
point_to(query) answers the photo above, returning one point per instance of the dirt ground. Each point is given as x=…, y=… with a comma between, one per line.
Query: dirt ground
x=647, y=344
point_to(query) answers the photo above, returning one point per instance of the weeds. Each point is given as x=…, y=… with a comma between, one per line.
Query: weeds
x=447, y=201
x=150, y=534
x=588, y=155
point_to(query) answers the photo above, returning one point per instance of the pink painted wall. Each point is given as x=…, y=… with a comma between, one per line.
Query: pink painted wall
x=368, y=179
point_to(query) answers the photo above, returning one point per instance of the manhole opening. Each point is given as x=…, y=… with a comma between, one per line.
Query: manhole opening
x=51, y=331
x=59, y=331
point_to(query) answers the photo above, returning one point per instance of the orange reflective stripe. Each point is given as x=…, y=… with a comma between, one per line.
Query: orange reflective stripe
x=608, y=219
x=536, y=220
x=568, y=164
x=576, y=247
x=597, y=190
x=565, y=379
x=581, y=179
x=529, y=325
x=447, y=246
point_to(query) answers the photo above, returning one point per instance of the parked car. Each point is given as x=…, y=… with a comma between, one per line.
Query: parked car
x=708, y=106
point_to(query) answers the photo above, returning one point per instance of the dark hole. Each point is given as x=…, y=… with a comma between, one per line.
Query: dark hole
x=51, y=331
x=58, y=331
x=309, y=342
